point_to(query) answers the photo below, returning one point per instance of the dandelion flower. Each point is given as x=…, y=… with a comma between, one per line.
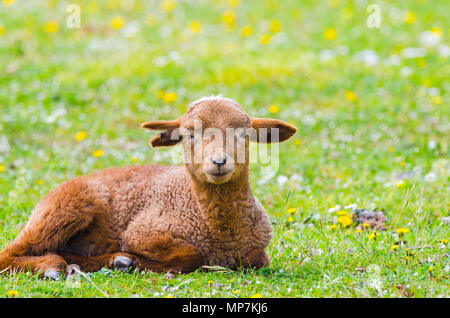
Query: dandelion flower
x=391, y=149
x=12, y=293
x=402, y=230
x=247, y=31
x=82, y=135
x=40, y=182
x=333, y=226
x=51, y=27
x=170, y=97
x=291, y=210
x=265, y=39
x=236, y=292
x=8, y=2
x=117, y=23
x=297, y=142
x=234, y=3
x=437, y=31
x=436, y=100
x=358, y=230
x=403, y=164
x=365, y=224
x=345, y=220
x=394, y=247
x=290, y=219
x=98, y=153
x=410, y=17
x=256, y=296
x=2, y=168
x=275, y=26
x=274, y=109
x=330, y=34
x=195, y=26
x=168, y=5
x=2, y=30
x=373, y=236
x=210, y=282
x=430, y=268
x=341, y=213
x=229, y=17
x=134, y=160
x=444, y=241
x=351, y=96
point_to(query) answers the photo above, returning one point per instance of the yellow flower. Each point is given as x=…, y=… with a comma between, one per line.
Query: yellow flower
x=436, y=100
x=12, y=293
x=291, y=219
x=402, y=230
x=229, y=17
x=82, y=135
x=234, y=3
x=275, y=26
x=372, y=236
x=351, y=96
x=358, y=231
x=8, y=2
x=117, y=23
x=365, y=224
x=394, y=247
x=170, y=97
x=256, y=296
x=40, y=182
x=430, y=268
x=345, y=220
x=341, y=213
x=333, y=226
x=330, y=34
x=98, y=153
x=2, y=168
x=438, y=32
x=210, y=282
x=391, y=149
x=334, y=3
x=274, y=109
x=444, y=241
x=403, y=164
x=297, y=142
x=247, y=31
x=236, y=292
x=2, y=29
x=168, y=5
x=195, y=26
x=409, y=17
x=291, y=210
x=134, y=160
x=265, y=39
x=51, y=27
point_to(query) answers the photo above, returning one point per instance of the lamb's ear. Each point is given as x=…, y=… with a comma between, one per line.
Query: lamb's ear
x=167, y=137
x=285, y=130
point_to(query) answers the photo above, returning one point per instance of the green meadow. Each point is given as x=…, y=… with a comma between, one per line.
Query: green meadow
x=368, y=89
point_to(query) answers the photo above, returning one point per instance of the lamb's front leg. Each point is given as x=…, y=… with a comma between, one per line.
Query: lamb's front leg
x=161, y=252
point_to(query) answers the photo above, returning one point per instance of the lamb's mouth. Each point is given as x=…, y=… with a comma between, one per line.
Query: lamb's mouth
x=219, y=176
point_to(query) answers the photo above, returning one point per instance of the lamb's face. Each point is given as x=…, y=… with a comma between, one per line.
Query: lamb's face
x=215, y=134
x=215, y=140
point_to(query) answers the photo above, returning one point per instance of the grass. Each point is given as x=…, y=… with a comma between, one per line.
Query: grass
x=373, y=131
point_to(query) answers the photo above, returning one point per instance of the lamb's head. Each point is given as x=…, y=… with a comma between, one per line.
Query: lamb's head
x=215, y=133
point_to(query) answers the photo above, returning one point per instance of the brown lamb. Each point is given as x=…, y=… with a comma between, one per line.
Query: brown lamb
x=155, y=217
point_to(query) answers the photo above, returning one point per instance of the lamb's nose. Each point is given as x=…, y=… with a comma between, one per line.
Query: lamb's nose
x=219, y=163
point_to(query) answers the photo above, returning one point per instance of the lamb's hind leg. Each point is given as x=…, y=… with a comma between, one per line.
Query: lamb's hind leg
x=64, y=212
x=120, y=261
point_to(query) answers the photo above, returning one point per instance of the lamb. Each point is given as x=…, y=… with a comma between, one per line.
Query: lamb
x=155, y=217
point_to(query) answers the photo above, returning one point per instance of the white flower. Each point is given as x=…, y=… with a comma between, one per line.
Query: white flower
x=282, y=180
x=367, y=56
x=430, y=177
x=405, y=71
x=429, y=39
x=393, y=60
x=414, y=52
x=443, y=50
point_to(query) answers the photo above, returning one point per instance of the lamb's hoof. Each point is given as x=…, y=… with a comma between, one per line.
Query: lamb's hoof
x=73, y=269
x=52, y=274
x=122, y=263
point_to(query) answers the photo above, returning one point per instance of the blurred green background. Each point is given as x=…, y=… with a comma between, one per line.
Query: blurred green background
x=371, y=105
